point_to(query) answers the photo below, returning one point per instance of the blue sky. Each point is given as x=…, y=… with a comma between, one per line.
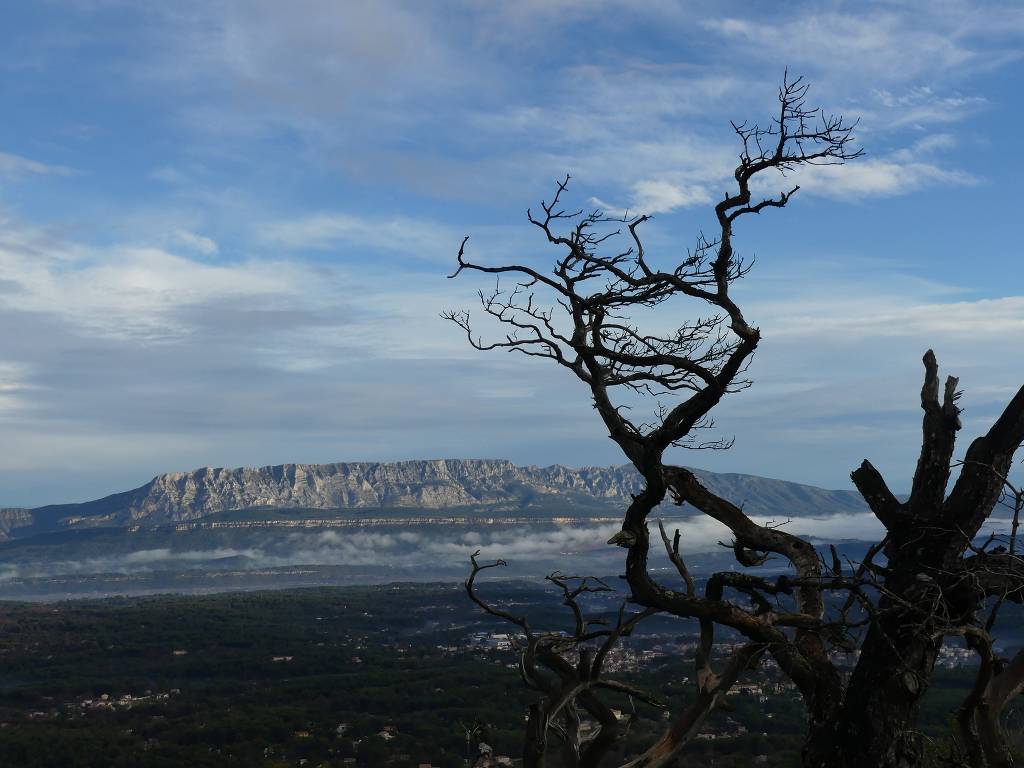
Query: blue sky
x=226, y=225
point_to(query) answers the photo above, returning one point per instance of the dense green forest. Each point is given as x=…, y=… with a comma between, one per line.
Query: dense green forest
x=368, y=676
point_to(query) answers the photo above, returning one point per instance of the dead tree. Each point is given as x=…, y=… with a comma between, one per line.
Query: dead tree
x=567, y=670
x=982, y=741
x=585, y=314
x=936, y=582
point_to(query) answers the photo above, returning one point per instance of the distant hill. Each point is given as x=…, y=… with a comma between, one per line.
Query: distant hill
x=489, y=487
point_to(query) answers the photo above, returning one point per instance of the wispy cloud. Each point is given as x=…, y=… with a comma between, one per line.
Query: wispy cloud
x=423, y=552
x=134, y=292
x=413, y=238
x=982, y=319
x=873, y=44
x=652, y=196
x=206, y=246
x=919, y=107
x=881, y=177
x=15, y=165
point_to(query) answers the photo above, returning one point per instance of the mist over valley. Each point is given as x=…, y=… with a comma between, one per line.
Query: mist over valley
x=298, y=525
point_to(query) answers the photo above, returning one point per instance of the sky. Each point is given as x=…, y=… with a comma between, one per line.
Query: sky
x=225, y=227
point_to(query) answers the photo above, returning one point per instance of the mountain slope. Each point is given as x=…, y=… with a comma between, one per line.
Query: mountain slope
x=482, y=485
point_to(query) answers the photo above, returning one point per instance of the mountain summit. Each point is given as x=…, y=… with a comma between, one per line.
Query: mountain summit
x=475, y=486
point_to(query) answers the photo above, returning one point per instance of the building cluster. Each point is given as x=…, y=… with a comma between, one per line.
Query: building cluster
x=103, y=702
x=125, y=701
x=729, y=730
x=952, y=656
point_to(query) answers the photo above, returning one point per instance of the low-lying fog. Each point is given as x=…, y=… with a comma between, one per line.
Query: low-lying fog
x=399, y=552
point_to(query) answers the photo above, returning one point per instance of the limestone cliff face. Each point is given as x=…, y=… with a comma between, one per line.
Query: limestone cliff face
x=441, y=484
x=420, y=484
x=490, y=485
x=13, y=517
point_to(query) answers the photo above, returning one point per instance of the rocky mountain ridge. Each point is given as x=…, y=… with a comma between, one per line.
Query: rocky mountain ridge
x=490, y=486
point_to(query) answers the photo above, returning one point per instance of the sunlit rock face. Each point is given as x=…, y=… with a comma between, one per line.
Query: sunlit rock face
x=485, y=486
x=492, y=485
x=414, y=484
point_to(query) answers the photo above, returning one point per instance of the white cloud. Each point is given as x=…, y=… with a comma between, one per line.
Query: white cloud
x=875, y=317
x=935, y=142
x=413, y=238
x=881, y=177
x=198, y=243
x=14, y=385
x=633, y=121
x=307, y=62
x=652, y=196
x=16, y=165
x=134, y=291
x=920, y=106
x=656, y=196
x=874, y=45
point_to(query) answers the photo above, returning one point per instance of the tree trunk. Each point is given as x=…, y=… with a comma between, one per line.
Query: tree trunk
x=535, y=741
x=876, y=724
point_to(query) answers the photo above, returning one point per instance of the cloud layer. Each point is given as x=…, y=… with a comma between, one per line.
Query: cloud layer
x=234, y=250
x=430, y=552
